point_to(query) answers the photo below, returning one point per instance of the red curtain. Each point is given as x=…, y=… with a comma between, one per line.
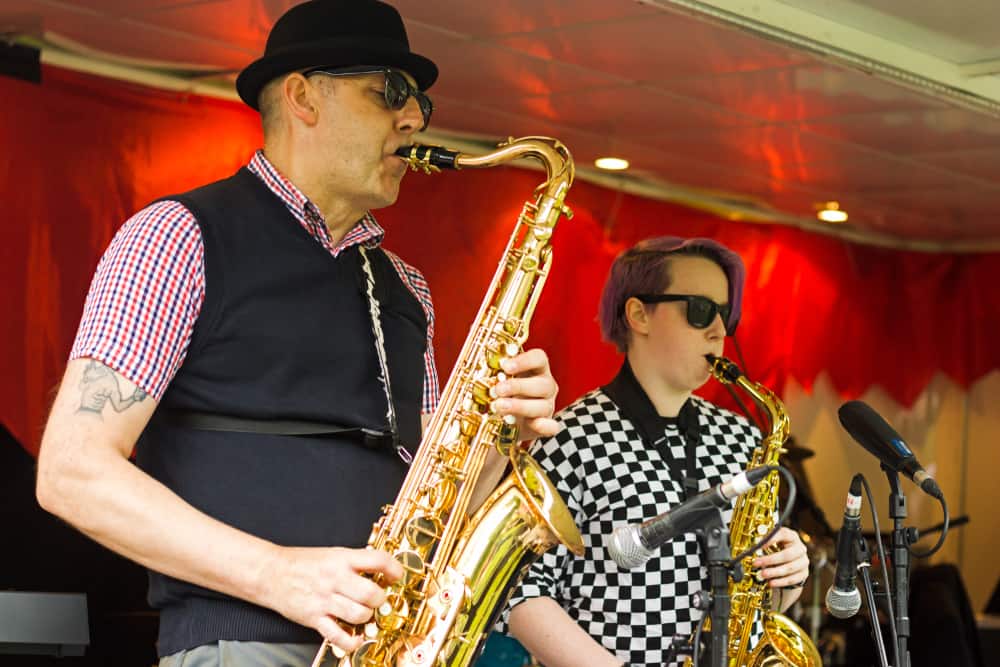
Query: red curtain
x=81, y=153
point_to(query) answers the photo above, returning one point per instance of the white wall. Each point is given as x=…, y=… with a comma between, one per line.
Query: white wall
x=954, y=434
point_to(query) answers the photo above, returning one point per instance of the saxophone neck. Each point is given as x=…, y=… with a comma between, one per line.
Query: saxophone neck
x=727, y=372
x=553, y=155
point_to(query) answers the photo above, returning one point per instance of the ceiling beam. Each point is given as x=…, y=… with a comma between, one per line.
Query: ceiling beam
x=861, y=50
x=980, y=68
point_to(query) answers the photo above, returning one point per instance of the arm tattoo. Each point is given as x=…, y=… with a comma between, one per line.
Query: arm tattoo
x=99, y=386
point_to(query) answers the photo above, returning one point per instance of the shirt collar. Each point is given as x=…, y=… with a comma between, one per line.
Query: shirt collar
x=635, y=404
x=365, y=232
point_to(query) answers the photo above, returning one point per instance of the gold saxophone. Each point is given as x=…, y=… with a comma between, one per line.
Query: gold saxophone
x=458, y=571
x=784, y=642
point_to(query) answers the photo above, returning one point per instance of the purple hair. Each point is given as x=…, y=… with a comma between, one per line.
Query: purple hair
x=642, y=269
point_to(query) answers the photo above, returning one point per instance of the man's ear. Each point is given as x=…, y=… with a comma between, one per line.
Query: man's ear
x=299, y=95
x=636, y=316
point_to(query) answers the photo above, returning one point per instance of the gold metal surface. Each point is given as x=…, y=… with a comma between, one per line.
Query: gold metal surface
x=783, y=642
x=459, y=571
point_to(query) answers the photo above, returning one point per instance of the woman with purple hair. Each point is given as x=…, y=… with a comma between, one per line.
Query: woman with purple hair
x=636, y=448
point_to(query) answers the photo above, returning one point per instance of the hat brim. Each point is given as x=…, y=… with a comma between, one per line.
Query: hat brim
x=257, y=74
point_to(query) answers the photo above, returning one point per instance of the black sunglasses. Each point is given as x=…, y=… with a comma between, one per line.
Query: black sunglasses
x=397, y=88
x=701, y=310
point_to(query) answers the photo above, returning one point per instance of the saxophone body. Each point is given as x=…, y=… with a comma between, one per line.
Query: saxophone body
x=459, y=570
x=783, y=642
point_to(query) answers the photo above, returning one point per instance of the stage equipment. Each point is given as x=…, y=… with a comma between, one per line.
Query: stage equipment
x=43, y=623
x=634, y=544
x=843, y=599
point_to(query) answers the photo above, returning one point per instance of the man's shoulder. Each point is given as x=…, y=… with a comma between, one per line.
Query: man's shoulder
x=405, y=268
x=164, y=218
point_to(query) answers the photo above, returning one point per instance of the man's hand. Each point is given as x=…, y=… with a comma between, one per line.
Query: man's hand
x=320, y=588
x=528, y=393
x=786, y=568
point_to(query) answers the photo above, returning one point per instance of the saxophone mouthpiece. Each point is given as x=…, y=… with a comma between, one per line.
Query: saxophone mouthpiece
x=723, y=369
x=427, y=158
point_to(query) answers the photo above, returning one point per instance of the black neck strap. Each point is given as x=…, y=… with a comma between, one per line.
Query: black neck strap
x=634, y=403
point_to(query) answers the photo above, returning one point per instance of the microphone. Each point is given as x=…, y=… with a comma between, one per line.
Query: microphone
x=632, y=545
x=843, y=599
x=874, y=434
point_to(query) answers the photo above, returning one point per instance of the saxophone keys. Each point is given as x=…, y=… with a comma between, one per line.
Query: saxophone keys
x=481, y=392
x=391, y=616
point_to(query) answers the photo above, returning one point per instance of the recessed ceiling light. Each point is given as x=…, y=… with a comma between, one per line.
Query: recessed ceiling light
x=831, y=212
x=611, y=163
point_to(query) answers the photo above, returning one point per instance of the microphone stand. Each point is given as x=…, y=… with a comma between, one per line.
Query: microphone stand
x=902, y=538
x=864, y=566
x=715, y=539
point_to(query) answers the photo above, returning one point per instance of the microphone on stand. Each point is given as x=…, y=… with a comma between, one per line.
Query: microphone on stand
x=634, y=544
x=873, y=433
x=843, y=599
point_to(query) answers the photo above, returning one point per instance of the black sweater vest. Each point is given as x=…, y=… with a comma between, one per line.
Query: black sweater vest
x=283, y=334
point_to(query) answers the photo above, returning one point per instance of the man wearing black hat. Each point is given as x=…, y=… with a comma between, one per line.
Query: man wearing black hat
x=267, y=361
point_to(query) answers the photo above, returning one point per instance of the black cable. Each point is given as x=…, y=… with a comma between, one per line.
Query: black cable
x=743, y=365
x=697, y=638
x=944, y=533
x=880, y=548
x=789, y=504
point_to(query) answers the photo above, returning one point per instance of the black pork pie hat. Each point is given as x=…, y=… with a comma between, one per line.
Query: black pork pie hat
x=334, y=33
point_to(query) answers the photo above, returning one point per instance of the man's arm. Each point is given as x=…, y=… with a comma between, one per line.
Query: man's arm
x=549, y=634
x=85, y=477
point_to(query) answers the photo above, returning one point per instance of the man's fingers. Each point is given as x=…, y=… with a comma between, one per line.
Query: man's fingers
x=334, y=633
x=536, y=386
x=544, y=427
x=347, y=609
x=529, y=362
x=374, y=561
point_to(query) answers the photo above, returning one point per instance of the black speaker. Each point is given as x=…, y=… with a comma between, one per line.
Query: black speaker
x=20, y=62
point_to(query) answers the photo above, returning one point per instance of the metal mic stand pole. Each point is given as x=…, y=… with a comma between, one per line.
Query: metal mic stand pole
x=864, y=566
x=902, y=538
x=716, y=537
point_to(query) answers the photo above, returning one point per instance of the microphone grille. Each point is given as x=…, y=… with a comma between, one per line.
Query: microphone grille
x=626, y=548
x=843, y=604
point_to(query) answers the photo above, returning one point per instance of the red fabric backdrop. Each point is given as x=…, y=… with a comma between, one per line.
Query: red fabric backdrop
x=80, y=154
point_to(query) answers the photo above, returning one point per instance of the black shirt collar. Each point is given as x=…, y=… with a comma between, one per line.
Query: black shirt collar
x=634, y=403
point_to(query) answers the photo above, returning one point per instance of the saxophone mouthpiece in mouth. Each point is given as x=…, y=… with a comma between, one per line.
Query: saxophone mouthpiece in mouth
x=428, y=158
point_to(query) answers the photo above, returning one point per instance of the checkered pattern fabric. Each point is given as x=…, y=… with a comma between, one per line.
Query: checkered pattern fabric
x=148, y=289
x=608, y=478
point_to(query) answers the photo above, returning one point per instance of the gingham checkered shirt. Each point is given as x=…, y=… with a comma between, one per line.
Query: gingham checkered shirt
x=609, y=477
x=149, y=287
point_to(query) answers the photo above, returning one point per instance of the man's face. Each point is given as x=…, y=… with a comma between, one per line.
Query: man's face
x=674, y=347
x=359, y=135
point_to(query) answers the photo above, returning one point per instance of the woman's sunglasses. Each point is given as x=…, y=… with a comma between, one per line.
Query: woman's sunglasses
x=397, y=88
x=701, y=310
